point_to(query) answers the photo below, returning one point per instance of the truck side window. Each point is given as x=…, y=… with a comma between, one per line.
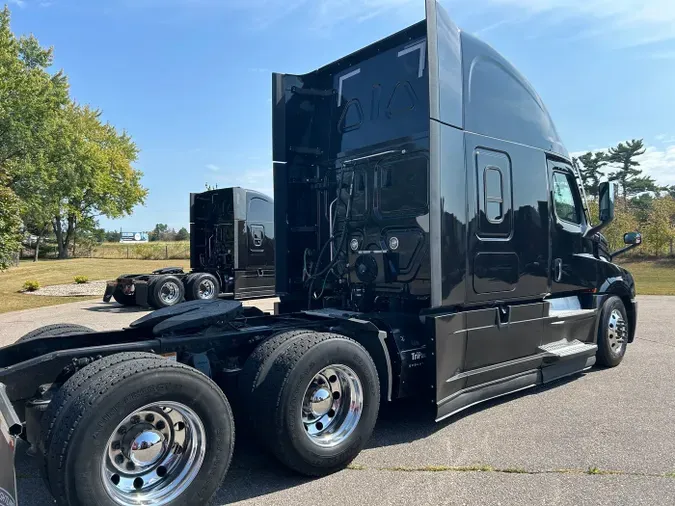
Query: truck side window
x=493, y=194
x=566, y=205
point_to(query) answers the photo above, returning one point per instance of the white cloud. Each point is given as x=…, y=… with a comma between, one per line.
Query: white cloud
x=660, y=164
x=623, y=22
x=20, y=3
x=212, y=167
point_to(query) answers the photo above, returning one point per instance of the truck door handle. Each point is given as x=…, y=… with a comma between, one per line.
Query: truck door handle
x=557, y=270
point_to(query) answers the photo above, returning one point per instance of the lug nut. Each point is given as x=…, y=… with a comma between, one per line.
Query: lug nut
x=122, y=430
x=116, y=445
x=119, y=459
x=160, y=425
x=130, y=466
x=135, y=419
x=150, y=418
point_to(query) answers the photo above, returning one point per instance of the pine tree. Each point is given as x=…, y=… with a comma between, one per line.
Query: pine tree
x=628, y=174
x=589, y=165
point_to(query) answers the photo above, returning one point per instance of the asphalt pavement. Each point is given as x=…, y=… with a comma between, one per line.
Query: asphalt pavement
x=606, y=437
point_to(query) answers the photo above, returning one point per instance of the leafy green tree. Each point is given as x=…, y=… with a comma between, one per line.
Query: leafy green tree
x=642, y=207
x=58, y=157
x=113, y=236
x=183, y=235
x=659, y=230
x=96, y=176
x=158, y=232
x=627, y=173
x=29, y=95
x=624, y=221
x=10, y=226
x=589, y=165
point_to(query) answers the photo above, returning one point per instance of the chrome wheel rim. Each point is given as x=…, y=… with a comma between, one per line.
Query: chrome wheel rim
x=154, y=455
x=206, y=289
x=332, y=405
x=616, y=332
x=169, y=293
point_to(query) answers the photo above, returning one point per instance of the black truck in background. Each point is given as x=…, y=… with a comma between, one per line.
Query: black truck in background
x=231, y=253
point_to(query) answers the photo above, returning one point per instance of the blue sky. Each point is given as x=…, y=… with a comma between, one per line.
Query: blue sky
x=191, y=79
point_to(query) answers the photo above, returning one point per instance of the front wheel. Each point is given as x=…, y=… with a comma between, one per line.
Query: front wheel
x=612, y=333
x=145, y=431
x=315, y=404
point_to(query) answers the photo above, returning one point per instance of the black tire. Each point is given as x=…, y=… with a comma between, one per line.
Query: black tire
x=612, y=333
x=63, y=397
x=80, y=443
x=187, y=281
x=123, y=298
x=55, y=330
x=262, y=359
x=275, y=402
x=192, y=286
x=155, y=297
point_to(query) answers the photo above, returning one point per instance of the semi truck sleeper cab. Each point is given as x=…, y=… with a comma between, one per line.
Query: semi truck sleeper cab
x=431, y=241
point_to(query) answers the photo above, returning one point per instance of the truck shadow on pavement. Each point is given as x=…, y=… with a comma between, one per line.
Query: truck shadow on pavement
x=116, y=308
x=255, y=473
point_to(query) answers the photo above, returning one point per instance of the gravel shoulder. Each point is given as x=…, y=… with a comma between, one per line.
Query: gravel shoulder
x=90, y=289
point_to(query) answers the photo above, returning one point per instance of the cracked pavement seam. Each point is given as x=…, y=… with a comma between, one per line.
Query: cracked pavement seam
x=479, y=468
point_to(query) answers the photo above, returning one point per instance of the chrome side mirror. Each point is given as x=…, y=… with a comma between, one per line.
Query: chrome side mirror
x=633, y=238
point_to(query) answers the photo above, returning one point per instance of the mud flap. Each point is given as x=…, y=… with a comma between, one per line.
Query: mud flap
x=109, y=289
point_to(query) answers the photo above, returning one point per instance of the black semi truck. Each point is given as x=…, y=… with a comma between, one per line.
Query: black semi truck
x=432, y=241
x=231, y=253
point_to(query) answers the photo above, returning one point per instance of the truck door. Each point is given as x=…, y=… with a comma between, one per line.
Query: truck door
x=508, y=257
x=260, y=231
x=568, y=221
x=255, y=274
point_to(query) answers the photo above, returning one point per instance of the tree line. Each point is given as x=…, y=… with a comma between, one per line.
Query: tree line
x=61, y=165
x=642, y=203
x=161, y=232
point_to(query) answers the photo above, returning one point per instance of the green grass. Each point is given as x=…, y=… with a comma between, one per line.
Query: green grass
x=56, y=272
x=652, y=277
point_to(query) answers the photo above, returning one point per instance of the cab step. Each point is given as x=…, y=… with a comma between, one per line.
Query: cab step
x=566, y=358
x=565, y=348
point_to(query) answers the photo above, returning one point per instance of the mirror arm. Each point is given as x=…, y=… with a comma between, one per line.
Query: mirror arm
x=622, y=251
x=594, y=230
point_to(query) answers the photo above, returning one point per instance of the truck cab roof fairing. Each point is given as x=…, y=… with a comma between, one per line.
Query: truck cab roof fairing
x=472, y=86
x=499, y=102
